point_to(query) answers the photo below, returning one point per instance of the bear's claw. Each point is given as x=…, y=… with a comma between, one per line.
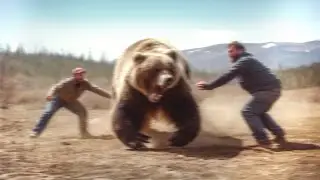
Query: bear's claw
x=138, y=143
x=183, y=137
x=177, y=141
x=143, y=138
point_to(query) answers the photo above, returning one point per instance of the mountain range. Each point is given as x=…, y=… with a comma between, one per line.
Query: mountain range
x=275, y=55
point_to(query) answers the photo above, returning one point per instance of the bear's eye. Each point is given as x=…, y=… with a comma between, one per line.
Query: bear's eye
x=171, y=68
x=157, y=69
x=172, y=71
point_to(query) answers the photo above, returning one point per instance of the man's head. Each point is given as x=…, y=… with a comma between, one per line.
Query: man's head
x=78, y=73
x=235, y=49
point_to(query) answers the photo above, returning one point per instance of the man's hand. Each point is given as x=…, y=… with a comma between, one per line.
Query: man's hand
x=202, y=85
x=49, y=98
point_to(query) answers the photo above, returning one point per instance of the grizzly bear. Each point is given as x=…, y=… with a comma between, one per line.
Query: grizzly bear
x=150, y=81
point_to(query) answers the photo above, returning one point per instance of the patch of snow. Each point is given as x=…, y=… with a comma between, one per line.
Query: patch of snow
x=193, y=51
x=269, y=45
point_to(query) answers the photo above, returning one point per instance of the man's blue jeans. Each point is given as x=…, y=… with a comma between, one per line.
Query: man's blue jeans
x=51, y=108
x=257, y=118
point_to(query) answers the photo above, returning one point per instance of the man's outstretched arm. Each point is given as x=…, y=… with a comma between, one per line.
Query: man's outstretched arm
x=228, y=76
x=95, y=89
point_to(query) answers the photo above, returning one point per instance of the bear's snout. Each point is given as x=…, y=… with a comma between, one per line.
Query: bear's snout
x=168, y=80
x=165, y=80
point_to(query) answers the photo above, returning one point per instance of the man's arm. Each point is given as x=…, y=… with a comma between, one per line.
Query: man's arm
x=228, y=76
x=55, y=88
x=94, y=88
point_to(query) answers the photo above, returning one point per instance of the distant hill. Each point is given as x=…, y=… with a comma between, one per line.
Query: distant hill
x=40, y=69
x=212, y=59
x=273, y=54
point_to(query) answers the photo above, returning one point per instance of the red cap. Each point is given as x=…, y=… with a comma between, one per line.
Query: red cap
x=78, y=70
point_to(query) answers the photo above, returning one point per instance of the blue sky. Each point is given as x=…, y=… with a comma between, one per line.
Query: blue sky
x=108, y=26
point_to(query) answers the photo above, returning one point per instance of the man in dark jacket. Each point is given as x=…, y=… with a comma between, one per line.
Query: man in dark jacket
x=264, y=87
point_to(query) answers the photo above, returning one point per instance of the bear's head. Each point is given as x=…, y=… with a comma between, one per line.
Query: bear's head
x=154, y=73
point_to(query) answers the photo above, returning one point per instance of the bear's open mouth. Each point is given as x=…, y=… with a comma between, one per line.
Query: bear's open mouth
x=156, y=95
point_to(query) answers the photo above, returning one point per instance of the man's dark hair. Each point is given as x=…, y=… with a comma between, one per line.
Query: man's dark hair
x=237, y=45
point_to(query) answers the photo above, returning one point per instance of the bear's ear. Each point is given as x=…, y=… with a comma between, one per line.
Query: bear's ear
x=172, y=53
x=139, y=58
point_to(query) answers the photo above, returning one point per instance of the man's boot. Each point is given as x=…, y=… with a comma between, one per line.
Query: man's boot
x=83, y=130
x=34, y=134
x=265, y=144
x=281, y=141
x=86, y=135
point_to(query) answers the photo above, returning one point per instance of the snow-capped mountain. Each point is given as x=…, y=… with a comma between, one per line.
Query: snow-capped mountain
x=273, y=54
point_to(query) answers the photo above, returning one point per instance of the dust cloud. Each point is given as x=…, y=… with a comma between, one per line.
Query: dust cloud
x=222, y=123
x=217, y=125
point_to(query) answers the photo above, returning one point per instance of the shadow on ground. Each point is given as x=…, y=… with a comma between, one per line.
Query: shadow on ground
x=296, y=146
x=203, y=149
x=102, y=137
x=289, y=146
x=208, y=146
x=227, y=151
x=210, y=152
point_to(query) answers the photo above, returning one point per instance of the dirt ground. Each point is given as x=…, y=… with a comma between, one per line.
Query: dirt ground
x=224, y=152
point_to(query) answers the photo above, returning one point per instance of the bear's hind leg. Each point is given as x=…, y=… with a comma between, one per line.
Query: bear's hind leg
x=184, y=112
x=127, y=122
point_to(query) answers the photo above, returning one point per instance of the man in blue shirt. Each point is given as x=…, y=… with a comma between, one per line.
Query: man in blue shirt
x=262, y=84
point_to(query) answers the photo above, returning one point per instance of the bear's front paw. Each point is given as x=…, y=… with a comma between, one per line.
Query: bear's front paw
x=138, y=143
x=143, y=138
x=177, y=141
x=180, y=139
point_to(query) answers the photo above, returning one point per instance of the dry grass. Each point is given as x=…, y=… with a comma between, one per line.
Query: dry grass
x=7, y=91
x=315, y=97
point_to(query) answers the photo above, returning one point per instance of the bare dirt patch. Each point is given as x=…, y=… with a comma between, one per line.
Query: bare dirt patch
x=223, y=151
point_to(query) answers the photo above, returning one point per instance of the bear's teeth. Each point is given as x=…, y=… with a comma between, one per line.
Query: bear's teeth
x=155, y=97
x=158, y=96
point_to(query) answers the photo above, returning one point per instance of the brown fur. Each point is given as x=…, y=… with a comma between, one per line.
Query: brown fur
x=137, y=75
